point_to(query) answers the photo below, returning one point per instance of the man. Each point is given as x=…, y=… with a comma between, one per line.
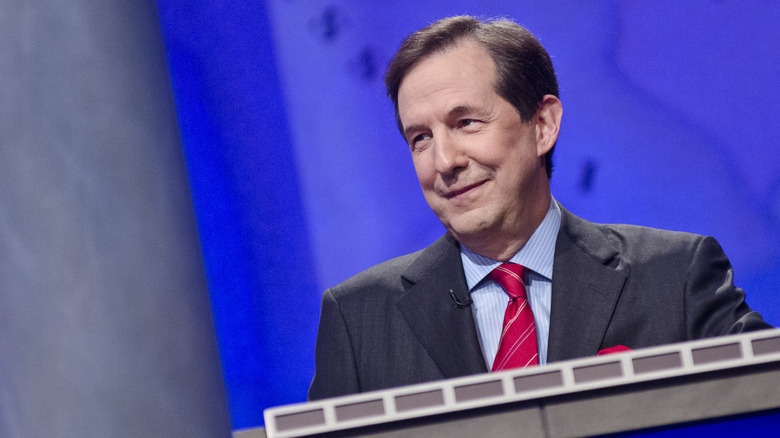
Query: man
x=477, y=103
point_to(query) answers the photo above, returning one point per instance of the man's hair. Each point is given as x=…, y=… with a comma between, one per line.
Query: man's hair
x=524, y=71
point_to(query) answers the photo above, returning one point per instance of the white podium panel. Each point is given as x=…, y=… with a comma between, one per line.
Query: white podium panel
x=632, y=391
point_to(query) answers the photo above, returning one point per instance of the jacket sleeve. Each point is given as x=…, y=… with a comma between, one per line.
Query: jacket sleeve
x=713, y=305
x=335, y=369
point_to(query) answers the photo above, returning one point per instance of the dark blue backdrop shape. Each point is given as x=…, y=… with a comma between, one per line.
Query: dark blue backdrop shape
x=245, y=191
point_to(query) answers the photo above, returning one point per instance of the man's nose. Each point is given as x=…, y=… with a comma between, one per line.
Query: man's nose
x=448, y=154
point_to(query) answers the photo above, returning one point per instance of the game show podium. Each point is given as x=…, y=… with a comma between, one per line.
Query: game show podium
x=633, y=391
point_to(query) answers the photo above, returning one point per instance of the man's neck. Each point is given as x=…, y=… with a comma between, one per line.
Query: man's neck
x=503, y=246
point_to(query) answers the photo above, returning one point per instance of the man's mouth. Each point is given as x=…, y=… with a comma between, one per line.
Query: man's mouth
x=456, y=192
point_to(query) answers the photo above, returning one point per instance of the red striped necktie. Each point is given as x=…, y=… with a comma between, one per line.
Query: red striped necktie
x=517, y=347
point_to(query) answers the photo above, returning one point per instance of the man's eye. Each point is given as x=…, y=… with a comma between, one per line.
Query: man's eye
x=467, y=122
x=420, y=137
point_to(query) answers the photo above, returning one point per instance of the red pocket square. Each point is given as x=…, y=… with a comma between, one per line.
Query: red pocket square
x=615, y=349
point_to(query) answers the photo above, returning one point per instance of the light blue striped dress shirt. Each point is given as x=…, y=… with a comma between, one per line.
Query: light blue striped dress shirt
x=490, y=300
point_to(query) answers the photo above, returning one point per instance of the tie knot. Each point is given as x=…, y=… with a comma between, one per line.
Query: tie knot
x=511, y=277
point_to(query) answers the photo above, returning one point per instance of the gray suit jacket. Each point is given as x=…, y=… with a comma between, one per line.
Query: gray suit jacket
x=397, y=323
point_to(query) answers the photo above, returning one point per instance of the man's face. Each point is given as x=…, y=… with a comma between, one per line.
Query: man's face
x=480, y=167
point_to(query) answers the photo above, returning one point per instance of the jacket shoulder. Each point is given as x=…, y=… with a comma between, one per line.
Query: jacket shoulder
x=638, y=243
x=384, y=277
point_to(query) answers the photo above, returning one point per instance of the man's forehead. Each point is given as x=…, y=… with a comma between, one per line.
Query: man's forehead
x=455, y=80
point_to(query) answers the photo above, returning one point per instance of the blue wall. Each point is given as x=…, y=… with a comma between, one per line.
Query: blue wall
x=301, y=180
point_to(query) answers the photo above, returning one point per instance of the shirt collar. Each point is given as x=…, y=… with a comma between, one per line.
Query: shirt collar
x=537, y=254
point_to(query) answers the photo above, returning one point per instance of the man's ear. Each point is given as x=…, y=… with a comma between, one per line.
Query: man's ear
x=548, y=123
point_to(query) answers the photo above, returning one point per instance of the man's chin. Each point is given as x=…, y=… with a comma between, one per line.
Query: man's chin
x=469, y=232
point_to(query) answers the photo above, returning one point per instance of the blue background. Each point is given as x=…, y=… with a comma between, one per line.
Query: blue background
x=300, y=179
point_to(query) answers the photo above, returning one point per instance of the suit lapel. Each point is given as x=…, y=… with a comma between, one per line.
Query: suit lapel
x=446, y=330
x=585, y=289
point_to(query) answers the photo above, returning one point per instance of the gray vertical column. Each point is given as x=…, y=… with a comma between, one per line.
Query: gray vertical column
x=105, y=326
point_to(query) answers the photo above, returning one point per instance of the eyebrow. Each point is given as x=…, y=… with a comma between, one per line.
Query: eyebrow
x=461, y=110
x=455, y=112
x=408, y=131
